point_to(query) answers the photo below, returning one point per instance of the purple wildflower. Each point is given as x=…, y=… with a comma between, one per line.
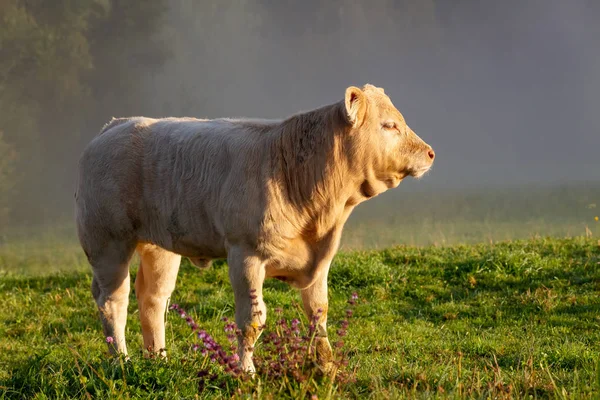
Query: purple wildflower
x=208, y=347
x=229, y=327
x=286, y=352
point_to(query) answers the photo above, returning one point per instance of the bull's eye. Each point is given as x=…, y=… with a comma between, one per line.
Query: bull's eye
x=389, y=125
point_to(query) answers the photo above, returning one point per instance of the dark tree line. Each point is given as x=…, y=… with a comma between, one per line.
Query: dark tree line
x=63, y=64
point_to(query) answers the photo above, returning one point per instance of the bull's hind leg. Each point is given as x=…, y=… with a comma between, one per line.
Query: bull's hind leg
x=154, y=284
x=247, y=274
x=110, y=288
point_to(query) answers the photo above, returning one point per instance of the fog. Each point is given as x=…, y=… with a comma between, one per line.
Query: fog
x=507, y=93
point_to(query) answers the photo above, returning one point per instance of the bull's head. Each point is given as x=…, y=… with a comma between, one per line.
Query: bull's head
x=388, y=148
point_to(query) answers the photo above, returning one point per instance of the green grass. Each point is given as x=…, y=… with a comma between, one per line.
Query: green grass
x=408, y=215
x=508, y=320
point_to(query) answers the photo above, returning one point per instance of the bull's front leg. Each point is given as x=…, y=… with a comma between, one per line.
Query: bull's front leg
x=247, y=274
x=316, y=304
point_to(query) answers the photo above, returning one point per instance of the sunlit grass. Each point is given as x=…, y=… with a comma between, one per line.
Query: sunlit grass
x=502, y=320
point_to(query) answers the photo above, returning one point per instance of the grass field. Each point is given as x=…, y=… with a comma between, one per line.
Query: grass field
x=506, y=320
x=419, y=217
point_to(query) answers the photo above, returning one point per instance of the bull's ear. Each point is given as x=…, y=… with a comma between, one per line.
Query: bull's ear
x=356, y=105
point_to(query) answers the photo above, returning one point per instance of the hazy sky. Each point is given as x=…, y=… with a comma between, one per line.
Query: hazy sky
x=505, y=92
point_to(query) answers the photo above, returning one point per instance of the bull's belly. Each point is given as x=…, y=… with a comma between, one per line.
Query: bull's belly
x=201, y=246
x=200, y=250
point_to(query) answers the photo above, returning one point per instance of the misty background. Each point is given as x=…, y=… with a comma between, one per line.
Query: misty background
x=507, y=93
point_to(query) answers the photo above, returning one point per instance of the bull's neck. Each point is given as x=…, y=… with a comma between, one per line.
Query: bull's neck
x=312, y=161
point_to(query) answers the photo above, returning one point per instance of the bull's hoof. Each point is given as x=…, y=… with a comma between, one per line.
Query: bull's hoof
x=249, y=369
x=328, y=369
x=153, y=354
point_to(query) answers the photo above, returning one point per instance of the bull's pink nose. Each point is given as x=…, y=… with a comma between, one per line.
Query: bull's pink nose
x=431, y=154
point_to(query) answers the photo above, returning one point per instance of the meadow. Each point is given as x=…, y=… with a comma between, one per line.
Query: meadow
x=442, y=316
